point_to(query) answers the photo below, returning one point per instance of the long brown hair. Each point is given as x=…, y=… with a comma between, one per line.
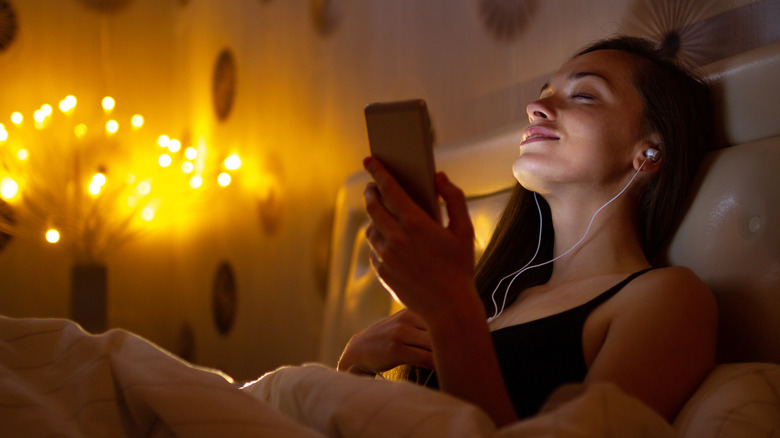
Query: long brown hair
x=677, y=107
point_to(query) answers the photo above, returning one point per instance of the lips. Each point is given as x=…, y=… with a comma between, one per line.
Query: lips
x=538, y=133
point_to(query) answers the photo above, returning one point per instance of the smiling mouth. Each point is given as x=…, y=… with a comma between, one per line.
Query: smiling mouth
x=538, y=137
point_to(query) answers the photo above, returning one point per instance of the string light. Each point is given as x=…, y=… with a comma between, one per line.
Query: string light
x=67, y=104
x=196, y=181
x=3, y=133
x=17, y=118
x=108, y=103
x=147, y=213
x=232, y=162
x=174, y=146
x=97, y=183
x=22, y=154
x=163, y=141
x=187, y=167
x=144, y=188
x=112, y=126
x=80, y=130
x=224, y=179
x=191, y=153
x=9, y=188
x=137, y=121
x=52, y=236
x=165, y=160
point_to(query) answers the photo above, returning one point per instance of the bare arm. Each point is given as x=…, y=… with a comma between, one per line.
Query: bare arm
x=430, y=268
x=661, y=341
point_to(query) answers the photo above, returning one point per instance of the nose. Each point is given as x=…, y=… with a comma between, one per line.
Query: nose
x=540, y=109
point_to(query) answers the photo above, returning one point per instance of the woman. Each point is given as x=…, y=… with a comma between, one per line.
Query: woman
x=607, y=204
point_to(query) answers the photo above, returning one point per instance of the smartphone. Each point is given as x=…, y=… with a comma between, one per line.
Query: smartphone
x=400, y=137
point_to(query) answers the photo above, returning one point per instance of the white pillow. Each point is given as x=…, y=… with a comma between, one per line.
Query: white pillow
x=735, y=400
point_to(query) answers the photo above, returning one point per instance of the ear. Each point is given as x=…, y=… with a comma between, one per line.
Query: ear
x=652, y=141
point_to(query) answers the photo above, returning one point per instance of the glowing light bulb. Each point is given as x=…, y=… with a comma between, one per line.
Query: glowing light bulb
x=17, y=118
x=144, y=188
x=46, y=109
x=3, y=133
x=196, y=181
x=108, y=103
x=112, y=126
x=224, y=179
x=147, y=213
x=52, y=236
x=191, y=153
x=165, y=160
x=187, y=167
x=67, y=104
x=163, y=141
x=80, y=130
x=39, y=116
x=130, y=179
x=232, y=162
x=137, y=121
x=22, y=154
x=174, y=146
x=9, y=188
x=97, y=183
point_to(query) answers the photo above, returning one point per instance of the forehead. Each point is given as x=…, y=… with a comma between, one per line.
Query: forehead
x=613, y=66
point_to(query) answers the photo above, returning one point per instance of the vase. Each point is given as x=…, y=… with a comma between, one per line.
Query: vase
x=88, y=301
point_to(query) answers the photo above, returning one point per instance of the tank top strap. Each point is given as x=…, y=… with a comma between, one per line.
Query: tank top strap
x=609, y=293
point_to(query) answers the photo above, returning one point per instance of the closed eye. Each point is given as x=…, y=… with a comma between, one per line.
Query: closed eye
x=582, y=96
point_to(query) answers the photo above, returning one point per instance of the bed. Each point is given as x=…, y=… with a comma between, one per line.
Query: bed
x=58, y=380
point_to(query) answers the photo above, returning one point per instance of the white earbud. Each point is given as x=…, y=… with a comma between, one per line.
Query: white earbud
x=652, y=154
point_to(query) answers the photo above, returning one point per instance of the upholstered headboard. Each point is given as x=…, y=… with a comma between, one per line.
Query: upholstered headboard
x=729, y=236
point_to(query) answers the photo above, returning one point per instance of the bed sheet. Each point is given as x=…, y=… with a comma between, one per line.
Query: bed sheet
x=57, y=380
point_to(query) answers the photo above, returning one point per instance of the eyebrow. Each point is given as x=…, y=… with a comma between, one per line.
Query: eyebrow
x=579, y=75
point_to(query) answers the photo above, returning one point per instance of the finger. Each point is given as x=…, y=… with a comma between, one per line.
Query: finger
x=393, y=195
x=381, y=218
x=457, y=210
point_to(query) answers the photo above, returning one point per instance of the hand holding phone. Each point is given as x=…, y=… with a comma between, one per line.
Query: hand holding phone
x=399, y=136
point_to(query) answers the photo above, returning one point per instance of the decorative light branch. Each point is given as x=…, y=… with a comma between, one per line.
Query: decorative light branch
x=73, y=177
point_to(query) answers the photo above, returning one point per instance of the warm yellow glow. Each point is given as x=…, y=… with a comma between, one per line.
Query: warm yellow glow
x=191, y=153
x=147, y=213
x=108, y=103
x=187, y=167
x=67, y=104
x=130, y=179
x=232, y=162
x=137, y=121
x=46, y=110
x=223, y=179
x=52, y=236
x=39, y=116
x=17, y=118
x=165, y=160
x=112, y=126
x=163, y=141
x=144, y=188
x=22, y=154
x=132, y=201
x=174, y=146
x=3, y=133
x=9, y=188
x=97, y=183
x=80, y=130
x=196, y=181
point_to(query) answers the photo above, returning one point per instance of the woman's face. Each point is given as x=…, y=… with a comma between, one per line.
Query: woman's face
x=586, y=127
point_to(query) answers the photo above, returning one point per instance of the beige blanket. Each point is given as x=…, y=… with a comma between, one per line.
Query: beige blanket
x=57, y=380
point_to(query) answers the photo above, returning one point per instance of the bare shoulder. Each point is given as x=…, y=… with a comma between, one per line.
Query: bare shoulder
x=661, y=338
x=674, y=286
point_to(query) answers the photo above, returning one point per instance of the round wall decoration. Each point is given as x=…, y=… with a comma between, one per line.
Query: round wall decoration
x=223, y=84
x=506, y=19
x=9, y=25
x=224, y=298
x=107, y=6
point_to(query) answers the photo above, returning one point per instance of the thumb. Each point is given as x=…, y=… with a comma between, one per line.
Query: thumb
x=457, y=211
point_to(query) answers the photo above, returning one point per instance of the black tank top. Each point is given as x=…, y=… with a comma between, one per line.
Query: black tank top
x=538, y=356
